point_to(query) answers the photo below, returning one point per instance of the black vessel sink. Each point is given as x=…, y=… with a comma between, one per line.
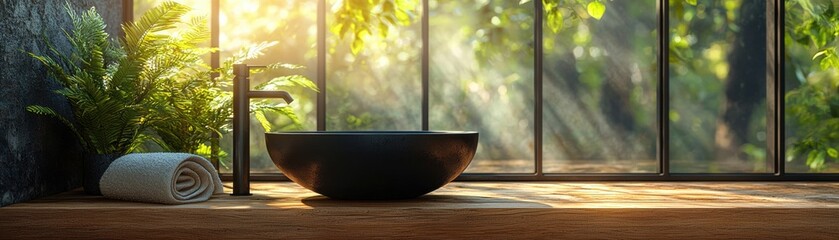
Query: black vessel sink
x=372, y=165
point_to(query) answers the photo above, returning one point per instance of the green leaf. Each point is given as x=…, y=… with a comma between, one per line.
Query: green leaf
x=792, y=153
x=829, y=62
x=811, y=157
x=819, y=54
x=832, y=153
x=283, y=110
x=289, y=113
x=260, y=116
x=555, y=20
x=815, y=160
x=288, y=81
x=691, y=2
x=357, y=45
x=596, y=9
x=285, y=66
x=204, y=150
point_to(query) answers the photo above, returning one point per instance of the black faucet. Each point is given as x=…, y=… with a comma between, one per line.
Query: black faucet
x=241, y=125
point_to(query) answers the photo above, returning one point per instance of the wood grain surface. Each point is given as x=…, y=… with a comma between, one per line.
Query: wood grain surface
x=462, y=210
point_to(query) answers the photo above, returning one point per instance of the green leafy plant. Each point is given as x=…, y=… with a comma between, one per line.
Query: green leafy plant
x=813, y=107
x=364, y=17
x=182, y=99
x=554, y=11
x=111, y=86
x=361, y=18
x=816, y=25
x=200, y=108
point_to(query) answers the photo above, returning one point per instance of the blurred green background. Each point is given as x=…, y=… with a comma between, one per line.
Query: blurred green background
x=600, y=78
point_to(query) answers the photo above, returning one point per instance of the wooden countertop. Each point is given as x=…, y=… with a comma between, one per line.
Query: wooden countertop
x=542, y=210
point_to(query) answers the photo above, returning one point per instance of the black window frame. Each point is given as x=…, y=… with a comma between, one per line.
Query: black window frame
x=774, y=100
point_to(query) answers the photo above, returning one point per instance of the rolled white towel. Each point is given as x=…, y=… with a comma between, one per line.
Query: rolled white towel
x=168, y=178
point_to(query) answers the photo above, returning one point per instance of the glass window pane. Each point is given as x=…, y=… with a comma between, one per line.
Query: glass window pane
x=811, y=87
x=379, y=86
x=288, y=36
x=481, y=78
x=718, y=86
x=600, y=82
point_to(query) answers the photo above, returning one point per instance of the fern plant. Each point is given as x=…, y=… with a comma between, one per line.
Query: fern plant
x=200, y=108
x=112, y=86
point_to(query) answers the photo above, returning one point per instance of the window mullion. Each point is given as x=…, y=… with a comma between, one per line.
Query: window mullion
x=663, y=89
x=425, y=73
x=538, y=54
x=321, y=66
x=778, y=93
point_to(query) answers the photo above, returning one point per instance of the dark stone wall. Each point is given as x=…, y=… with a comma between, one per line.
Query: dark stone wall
x=38, y=155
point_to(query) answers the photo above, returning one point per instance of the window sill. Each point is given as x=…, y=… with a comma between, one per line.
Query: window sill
x=674, y=210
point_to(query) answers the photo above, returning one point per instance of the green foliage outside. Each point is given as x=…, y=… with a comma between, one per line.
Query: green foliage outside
x=718, y=85
x=364, y=17
x=599, y=87
x=718, y=113
x=360, y=18
x=600, y=71
x=481, y=75
x=812, y=83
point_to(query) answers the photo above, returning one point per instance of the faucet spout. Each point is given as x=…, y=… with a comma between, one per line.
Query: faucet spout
x=271, y=94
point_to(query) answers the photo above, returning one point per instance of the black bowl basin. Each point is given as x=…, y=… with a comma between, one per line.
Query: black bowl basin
x=373, y=165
